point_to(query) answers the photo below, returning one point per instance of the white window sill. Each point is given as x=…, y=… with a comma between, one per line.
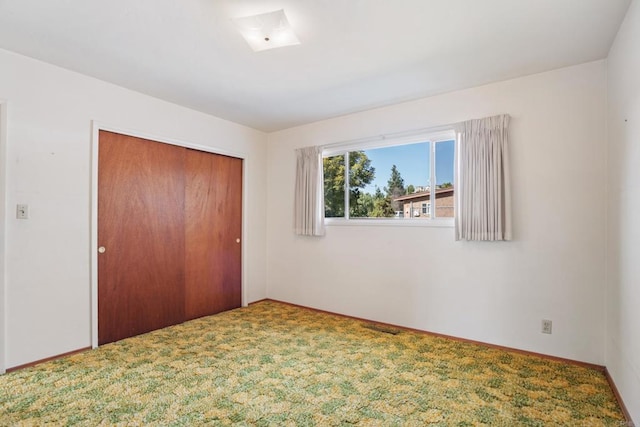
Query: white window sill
x=393, y=222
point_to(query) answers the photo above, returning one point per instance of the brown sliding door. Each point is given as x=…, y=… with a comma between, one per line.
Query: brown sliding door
x=213, y=206
x=168, y=223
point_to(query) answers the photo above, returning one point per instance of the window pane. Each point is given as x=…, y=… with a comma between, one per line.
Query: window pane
x=334, y=173
x=444, y=179
x=389, y=182
x=395, y=181
x=361, y=173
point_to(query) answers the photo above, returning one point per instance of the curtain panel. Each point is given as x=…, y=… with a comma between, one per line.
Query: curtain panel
x=309, y=192
x=482, y=174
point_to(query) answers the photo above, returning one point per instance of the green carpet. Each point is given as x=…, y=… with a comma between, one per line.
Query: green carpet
x=272, y=364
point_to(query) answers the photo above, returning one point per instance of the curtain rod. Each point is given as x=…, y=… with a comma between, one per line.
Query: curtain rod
x=392, y=135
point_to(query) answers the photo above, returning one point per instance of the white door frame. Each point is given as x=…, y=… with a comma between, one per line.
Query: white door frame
x=96, y=128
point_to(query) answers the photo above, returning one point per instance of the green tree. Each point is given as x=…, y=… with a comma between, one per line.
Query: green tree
x=364, y=205
x=445, y=185
x=381, y=206
x=395, y=188
x=333, y=168
x=361, y=173
x=411, y=189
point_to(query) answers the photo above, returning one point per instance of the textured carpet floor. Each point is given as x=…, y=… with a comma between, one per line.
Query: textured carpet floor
x=274, y=364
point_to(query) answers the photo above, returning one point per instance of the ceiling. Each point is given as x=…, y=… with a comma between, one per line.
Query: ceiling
x=354, y=54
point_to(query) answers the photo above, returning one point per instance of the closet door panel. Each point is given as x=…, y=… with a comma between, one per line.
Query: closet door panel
x=213, y=227
x=141, y=220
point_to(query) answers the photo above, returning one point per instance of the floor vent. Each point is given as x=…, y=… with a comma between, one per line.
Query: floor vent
x=382, y=328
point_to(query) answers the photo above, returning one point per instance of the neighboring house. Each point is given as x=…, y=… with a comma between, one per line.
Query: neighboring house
x=418, y=204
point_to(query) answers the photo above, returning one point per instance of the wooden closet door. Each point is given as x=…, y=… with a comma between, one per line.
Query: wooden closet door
x=213, y=207
x=141, y=187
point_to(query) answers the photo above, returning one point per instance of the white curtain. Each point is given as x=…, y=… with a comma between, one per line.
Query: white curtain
x=309, y=196
x=482, y=177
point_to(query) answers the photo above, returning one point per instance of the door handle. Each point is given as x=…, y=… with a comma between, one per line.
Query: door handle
x=102, y=249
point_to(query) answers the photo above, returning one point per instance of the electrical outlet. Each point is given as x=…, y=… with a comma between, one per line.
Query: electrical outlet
x=546, y=326
x=22, y=211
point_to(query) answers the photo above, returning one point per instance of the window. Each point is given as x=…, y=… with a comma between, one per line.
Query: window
x=395, y=180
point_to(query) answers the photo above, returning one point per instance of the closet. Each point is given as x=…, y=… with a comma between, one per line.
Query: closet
x=169, y=235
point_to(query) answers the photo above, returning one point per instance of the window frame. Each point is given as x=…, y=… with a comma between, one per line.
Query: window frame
x=432, y=137
x=426, y=208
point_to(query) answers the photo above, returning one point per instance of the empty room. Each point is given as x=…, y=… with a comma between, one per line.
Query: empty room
x=320, y=212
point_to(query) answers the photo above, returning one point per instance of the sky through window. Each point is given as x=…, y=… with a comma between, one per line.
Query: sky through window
x=412, y=161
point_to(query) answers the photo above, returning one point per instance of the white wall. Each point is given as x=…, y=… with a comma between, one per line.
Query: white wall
x=3, y=145
x=623, y=226
x=49, y=167
x=491, y=292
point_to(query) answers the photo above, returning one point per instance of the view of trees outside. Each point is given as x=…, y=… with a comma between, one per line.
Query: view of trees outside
x=379, y=176
x=333, y=186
